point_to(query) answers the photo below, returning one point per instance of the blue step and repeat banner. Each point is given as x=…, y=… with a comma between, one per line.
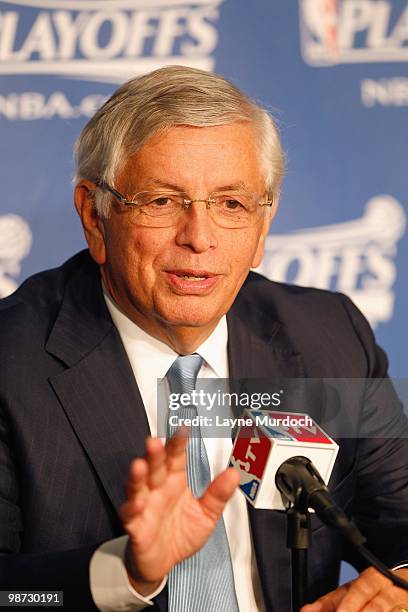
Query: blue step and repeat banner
x=334, y=72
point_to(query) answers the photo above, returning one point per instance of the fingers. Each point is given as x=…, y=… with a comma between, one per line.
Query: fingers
x=383, y=602
x=161, y=460
x=137, y=477
x=219, y=492
x=145, y=475
x=327, y=603
x=156, y=463
x=151, y=472
x=370, y=591
x=136, y=490
x=145, y=472
x=363, y=590
x=176, y=450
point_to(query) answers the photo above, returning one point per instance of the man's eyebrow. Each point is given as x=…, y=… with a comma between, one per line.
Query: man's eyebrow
x=164, y=185
x=239, y=186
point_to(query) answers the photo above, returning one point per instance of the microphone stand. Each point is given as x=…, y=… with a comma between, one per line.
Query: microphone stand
x=301, y=487
x=299, y=539
x=290, y=481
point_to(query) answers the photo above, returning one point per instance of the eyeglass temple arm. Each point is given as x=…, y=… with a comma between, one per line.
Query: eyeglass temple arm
x=115, y=193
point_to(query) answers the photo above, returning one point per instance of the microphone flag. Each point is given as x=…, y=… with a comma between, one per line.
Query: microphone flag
x=265, y=440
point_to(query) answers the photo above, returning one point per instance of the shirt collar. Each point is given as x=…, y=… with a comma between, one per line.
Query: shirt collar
x=158, y=356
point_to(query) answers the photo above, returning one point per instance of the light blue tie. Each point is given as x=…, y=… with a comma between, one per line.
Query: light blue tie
x=205, y=581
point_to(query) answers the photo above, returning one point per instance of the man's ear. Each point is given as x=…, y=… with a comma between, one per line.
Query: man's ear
x=269, y=215
x=91, y=222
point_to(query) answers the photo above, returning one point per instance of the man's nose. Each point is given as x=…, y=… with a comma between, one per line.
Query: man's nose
x=196, y=229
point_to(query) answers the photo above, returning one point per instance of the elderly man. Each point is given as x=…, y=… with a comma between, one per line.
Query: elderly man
x=178, y=181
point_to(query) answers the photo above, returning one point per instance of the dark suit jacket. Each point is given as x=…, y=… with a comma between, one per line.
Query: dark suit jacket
x=71, y=420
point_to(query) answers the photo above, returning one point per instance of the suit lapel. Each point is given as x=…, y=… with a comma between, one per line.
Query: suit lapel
x=264, y=353
x=259, y=348
x=97, y=391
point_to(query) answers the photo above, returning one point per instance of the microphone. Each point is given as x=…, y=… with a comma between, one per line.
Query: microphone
x=265, y=440
x=300, y=484
x=286, y=459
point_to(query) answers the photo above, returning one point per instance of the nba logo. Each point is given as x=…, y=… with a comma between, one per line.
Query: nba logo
x=250, y=456
x=319, y=27
x=353, y=31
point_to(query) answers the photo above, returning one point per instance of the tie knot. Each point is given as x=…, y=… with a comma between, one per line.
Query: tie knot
x=182, y=375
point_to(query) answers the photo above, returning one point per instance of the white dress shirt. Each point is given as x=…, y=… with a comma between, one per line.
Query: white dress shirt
x=150, y=360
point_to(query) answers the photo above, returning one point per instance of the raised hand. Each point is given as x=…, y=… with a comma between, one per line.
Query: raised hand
x=164, y=521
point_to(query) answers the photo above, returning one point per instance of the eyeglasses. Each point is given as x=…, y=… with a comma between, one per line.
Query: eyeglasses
x=163, y=208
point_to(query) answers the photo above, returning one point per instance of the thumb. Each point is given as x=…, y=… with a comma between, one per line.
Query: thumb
x=219, y=492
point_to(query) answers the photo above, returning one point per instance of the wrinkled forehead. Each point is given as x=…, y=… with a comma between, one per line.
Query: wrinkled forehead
x=215, y=157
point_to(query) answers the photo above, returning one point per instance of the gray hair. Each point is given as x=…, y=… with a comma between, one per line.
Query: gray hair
x=153, y=103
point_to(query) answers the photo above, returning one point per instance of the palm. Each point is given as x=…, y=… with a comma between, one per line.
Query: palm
x=164, y=521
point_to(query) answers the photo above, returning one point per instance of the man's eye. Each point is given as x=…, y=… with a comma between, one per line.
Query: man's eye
x=231, y=204
x=161, y=202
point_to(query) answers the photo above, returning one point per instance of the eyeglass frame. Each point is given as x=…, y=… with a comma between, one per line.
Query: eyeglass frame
x=187, y=202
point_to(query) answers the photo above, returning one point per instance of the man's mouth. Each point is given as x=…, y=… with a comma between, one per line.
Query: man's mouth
x=187, y=280
x=191, y=276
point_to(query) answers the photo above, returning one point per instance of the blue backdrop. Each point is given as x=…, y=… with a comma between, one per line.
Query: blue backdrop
x=333, y=71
